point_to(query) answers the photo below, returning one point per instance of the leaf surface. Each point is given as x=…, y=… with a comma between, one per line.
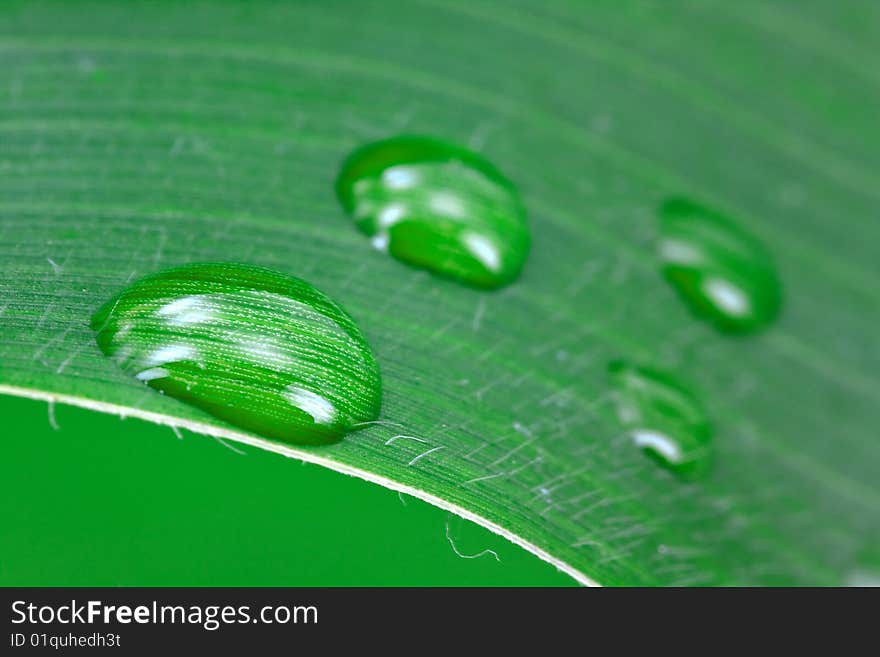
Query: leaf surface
x=141, y=136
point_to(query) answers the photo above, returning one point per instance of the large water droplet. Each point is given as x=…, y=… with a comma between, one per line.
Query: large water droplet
x=438, y=207
x=724, y=274
x=262, y=350
x=662, y=417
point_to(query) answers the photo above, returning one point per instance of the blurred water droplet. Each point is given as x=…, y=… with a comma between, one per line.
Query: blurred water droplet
x=438, y=207
x=662, y=417
x=724, y=274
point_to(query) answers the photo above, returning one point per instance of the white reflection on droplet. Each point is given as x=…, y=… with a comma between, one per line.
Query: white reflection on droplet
x=391, y=214
x=662, y=444
x=682, y=253
x=726, y=296
x=170, y=354
x=186, y=311
x=321, y=410
x=364, y=210
x=447, y=204
x=152, y=373
x=483, y=250
x=380, y=242
x=627, y=413
x=399, y=177
x=266, y=353
x=124, y=330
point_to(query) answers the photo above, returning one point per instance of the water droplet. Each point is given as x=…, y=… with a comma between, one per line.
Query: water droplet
x=724, y=274
x=437, y=206
x=262, y=350
x=662, y=417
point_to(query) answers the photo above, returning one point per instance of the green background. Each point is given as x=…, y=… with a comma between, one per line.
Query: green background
x=111, y=502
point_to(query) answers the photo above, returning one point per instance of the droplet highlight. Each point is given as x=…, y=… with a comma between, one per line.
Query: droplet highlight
x=724, y=275
x=262, y=350
x=662, y=417
x=439, y=207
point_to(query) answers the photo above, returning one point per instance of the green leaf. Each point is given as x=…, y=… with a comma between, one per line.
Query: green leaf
x=138, y=137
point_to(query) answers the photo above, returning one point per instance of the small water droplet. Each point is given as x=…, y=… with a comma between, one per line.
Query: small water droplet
x=725, y=275
x=264, y=351
x=662, y=417
x=438, y=207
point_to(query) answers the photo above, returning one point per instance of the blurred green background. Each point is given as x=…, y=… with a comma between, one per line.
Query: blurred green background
x=103, y=501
